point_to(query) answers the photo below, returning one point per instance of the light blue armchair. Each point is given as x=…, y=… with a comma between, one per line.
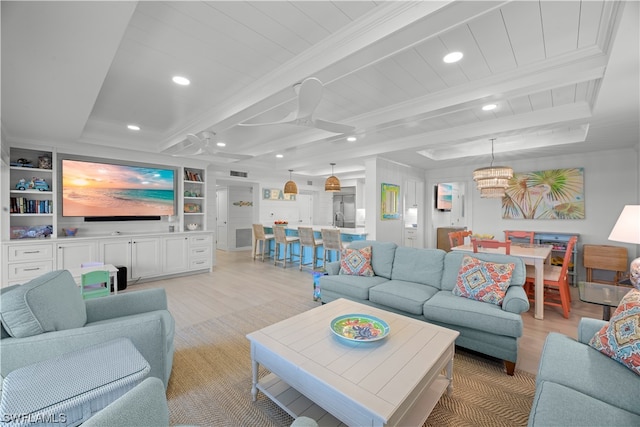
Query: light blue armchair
x=47, y=317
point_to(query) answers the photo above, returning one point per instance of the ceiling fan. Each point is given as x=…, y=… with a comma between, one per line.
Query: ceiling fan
x=196, y=145
x=309, y=96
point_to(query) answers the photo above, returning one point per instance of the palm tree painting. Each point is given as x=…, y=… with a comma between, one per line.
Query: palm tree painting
x=548, y=194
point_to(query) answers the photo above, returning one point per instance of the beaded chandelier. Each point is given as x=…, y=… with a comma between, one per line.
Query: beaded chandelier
x=492, y=181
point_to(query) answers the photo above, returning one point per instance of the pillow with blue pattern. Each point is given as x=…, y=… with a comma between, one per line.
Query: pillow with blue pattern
x=483, y=281
x=356, y=262
x=620, y=338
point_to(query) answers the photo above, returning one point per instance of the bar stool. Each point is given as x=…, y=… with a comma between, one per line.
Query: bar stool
x=283, y=239
x=260, y=236
x=331, y=241
x=308, y=239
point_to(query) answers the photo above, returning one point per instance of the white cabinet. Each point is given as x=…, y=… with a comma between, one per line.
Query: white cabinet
x=201, y=251
x=117, y=252
x=175, y=254
x=145, y=257
x=24, y=261
x=411, y=237
x=411, y=195
x=73, y=254
x=141, y=255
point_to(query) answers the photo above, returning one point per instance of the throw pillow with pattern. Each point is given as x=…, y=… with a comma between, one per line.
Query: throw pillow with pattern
x=483, y=281
x=620, y=338
x=356, y=262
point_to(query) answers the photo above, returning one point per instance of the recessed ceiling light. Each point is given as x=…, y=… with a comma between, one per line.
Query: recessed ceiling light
x=279, y=156
x=183, y=81
x=489, y=107
x=133, y=127
x=221, y=144
x=452, y=57
x=352, y=138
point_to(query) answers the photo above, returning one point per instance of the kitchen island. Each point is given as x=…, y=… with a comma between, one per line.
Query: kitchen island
x=347, y=235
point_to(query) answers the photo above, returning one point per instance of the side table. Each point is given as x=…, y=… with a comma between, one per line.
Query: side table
x=603, y=294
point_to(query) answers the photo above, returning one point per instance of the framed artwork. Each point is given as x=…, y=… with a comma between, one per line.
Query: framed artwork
x=444, y=196
x=389, y=197
x=547, y=194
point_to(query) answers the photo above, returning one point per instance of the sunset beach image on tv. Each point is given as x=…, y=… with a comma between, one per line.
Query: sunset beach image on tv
x=92, y=189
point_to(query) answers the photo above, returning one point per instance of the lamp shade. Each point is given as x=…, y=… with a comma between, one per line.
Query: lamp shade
x=290, y=187
x=627, y=228
x=332, y=183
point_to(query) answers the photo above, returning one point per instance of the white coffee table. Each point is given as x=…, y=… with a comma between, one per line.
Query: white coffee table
x=394, y=381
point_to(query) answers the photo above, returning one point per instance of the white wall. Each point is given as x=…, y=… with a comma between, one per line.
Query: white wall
x=611, y=181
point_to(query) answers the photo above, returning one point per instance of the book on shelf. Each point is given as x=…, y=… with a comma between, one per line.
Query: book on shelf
x=23, y=205
x=190, y=175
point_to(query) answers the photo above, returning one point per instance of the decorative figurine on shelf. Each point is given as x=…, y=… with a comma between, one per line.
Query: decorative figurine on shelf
x=35, y=184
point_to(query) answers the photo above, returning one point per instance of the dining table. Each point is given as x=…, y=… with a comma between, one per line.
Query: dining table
x=531, y=254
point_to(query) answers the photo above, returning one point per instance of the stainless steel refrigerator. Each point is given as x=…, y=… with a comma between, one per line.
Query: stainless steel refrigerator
x=344, y=210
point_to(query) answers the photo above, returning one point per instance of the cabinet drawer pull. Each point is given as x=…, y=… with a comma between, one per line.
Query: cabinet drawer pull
x=198, y=262
x=31, y=252
x=199, y=251
x=32, y=269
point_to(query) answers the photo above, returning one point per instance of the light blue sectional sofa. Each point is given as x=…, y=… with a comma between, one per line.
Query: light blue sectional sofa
x=418, y=283
x=578, y=385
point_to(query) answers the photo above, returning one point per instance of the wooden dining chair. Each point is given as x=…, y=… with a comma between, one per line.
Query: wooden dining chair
x=556, y=282
x=287, y=242
x=456, y=238
x=491, y=244
x=261, y=238
x=520, y=235
x=308, y=239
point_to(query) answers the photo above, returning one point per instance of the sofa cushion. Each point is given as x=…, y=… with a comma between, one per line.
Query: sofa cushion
x=356, y=262
x=419, y=266
x=620, y=338
x=575, y=365
x=483, y=281
x=557, y=405
x=382, y=254
x=350, y=286
x=447, y=308
x=401, y=295
x=453, y=260
x=51, y=302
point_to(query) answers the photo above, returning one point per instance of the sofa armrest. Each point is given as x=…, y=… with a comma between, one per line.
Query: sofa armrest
x=145, y=404
x=588, y=327
x=515, y=300
x=332, y=268
x=146, y=331
x=125, y=304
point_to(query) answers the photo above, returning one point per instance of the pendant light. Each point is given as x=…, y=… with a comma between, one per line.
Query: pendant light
x=492, y=181
x=290, y=187
x=332, y=183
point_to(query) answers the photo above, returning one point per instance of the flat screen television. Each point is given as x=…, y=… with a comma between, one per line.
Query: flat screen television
x=105, y=191
x=444, y=196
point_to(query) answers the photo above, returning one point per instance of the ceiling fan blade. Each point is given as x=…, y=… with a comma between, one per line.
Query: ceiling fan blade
x=332, y=127
x=194, y=139
x=232, y=156
x=291, y=118
x=309, y=96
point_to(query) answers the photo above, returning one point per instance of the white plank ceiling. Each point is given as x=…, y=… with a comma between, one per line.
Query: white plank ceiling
x=564, y=76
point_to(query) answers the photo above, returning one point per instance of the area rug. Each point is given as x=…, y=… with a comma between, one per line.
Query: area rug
x=211, y=380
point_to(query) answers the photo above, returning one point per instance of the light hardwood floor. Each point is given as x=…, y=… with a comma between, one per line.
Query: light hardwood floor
x=237, y=282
